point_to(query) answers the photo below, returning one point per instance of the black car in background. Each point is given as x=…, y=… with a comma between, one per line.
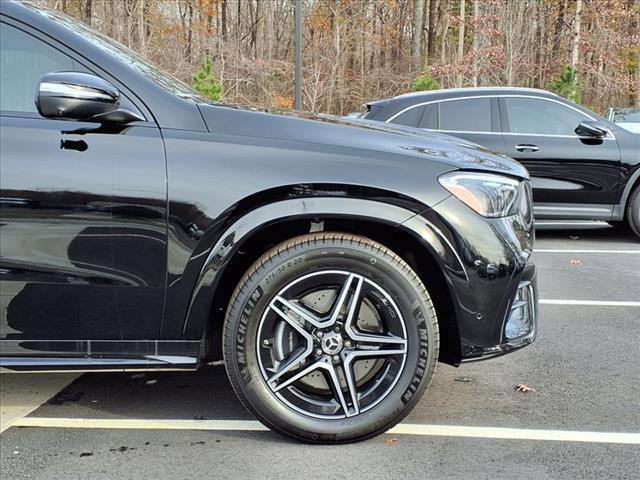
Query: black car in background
x=581, y=165
x=144, y=228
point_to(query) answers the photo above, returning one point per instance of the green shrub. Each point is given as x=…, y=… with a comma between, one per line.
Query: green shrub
x=567, y=85
x=206, y=83
x=425, y=82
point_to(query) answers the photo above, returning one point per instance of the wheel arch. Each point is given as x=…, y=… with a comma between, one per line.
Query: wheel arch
x=633, y=183
x=420, y=243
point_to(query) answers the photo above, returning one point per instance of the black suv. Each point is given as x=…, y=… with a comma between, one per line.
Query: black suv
x=331, y=264
x=582, y=166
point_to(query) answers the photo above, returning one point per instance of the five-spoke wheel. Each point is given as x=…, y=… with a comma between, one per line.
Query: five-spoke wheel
x=331, y=344
x=330, y=338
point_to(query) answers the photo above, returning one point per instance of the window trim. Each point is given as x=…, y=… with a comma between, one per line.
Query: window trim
x=493, y=120
x=419, y=119
x=504, y=121
x=82, y=64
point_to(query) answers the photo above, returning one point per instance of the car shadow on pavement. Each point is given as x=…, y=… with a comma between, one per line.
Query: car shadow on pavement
x=204, y=394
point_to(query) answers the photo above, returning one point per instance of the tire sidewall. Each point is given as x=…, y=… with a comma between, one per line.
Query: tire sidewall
x=633, y=211
x=382, y=268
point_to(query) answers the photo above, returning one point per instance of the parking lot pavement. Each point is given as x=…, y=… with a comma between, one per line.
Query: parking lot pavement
x=583, y=367
x=22, y=394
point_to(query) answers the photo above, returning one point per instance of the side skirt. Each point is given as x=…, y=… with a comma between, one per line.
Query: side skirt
x=98, y=355
x=571, y=211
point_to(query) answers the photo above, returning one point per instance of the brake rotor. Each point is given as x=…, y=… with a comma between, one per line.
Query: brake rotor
x=287, y=339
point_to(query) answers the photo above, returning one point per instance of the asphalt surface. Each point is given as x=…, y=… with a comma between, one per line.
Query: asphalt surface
x=583, y=366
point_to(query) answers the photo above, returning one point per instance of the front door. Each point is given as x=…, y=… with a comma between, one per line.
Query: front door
x=572, y=177
x=82, y=218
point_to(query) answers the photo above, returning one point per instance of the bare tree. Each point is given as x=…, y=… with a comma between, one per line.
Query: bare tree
x=575, y=39
x=461, y=41
x=416, y=45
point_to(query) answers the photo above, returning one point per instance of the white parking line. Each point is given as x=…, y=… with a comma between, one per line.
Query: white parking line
x=591, y=303
x=402, y=429
x=552, y=250
x=595, y=223
x=24, y=393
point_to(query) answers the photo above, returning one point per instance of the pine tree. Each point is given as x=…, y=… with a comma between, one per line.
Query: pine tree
x=425, y=82
x=567, y=85
x=206, y=83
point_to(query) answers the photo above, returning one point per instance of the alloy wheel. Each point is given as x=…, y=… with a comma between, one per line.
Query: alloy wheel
x=331, y=344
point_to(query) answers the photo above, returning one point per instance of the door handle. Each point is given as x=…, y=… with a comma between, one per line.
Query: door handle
x=526, y=147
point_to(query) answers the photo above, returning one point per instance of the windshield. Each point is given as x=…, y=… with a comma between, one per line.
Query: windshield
x=121, y=53
x=626, y=115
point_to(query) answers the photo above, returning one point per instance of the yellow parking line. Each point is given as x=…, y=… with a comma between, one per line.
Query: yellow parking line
x=402, y=429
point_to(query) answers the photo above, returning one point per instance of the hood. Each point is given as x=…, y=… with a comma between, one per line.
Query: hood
x=356, y=133
x=632, y=127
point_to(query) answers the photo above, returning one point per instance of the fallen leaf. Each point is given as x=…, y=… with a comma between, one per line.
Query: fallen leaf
x=524, y=388
x=391, y=441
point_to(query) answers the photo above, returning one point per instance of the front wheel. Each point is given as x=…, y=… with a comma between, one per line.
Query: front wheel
x=330, y=338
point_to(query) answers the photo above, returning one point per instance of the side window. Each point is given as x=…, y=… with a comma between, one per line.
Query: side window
x=430, y=117
x=468, y=115
x=23, y=60
x=410, y=118
x=541, y=117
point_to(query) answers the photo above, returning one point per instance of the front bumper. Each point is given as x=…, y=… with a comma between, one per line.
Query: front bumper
x=520, y=322
x=491, y=280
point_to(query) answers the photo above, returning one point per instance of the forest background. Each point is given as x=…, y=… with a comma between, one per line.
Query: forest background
x=242, y=51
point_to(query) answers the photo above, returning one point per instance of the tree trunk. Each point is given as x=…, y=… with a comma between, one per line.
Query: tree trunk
x=537, y=80
x=575, y=40
x=431, y=31
x=460, y=78
x=445, y=31
x=141, y=27
x=474, y=45
x=88, y=11
x=557, y=34
x=189, y=48
x=416, y=45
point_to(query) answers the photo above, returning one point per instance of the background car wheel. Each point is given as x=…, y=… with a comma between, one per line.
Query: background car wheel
x=633, y=211
x=330, y=338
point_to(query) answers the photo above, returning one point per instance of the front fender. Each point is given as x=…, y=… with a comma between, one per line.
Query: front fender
x=220, y=254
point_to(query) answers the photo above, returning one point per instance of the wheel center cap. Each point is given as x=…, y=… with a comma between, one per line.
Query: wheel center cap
x=331, y=343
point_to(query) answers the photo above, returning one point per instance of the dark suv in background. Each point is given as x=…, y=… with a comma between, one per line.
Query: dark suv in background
x=142, y=227
x=582, y=166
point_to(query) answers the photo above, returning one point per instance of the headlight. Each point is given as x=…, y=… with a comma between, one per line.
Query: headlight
x=488, y=194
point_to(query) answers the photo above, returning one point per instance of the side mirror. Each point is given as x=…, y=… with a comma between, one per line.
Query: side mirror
x=591, y=129
x=81, y=96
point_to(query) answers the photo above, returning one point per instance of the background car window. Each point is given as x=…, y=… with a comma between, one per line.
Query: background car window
x=23, y=60
x=410, y=118
x=626, y=115
x=531, y=115
x=430, y=117
x=469, y=115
